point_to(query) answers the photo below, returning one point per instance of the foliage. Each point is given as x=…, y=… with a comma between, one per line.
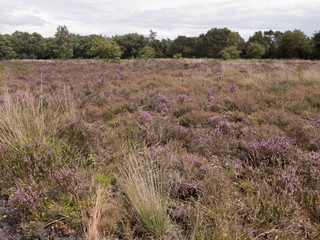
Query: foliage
x=104, y=48
x=294, y=44
x=316, y=45
x=291, y=44
x=255, y=50
x=230, y=53
x=131, y=44
x=216, y=40
x=147, y=52
x=183, y=45
x=6, y=50
x=63, y=38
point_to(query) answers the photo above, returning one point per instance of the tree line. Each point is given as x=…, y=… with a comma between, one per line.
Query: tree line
x=215, y=43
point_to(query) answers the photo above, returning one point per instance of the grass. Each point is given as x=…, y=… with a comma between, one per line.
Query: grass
x=143, y=190
x=165, y=149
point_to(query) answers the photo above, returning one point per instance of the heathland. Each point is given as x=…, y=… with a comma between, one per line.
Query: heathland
x=161, y=149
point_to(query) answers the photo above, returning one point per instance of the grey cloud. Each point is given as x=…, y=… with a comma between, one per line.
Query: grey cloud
x=190, y=18
x=23, y=20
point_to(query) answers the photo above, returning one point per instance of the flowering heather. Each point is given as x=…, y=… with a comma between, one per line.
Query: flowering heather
x=181, y=98
x=308, y=167
x=163, y=107
x=120, y=75
x=214, y=107
x=220, y=125
x=233, y=88
x=210, y=95
x=237, y=140
x=66, y=180
x=145, y=118
x=24, y=199
x=22, y=96
x=194, y=159
x=273, y=149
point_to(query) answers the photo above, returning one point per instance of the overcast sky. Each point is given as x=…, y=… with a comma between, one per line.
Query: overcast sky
x=169, y=18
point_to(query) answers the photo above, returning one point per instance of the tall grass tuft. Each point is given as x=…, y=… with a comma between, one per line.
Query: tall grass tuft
x=143, y=188
x=25, y=116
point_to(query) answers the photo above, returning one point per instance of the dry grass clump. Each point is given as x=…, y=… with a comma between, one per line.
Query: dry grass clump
x=143, y=190
x=101, y=220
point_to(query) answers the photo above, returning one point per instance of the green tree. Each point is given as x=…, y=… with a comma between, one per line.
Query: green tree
x=216, y=40
x=294, y=44
x=6, y=50
x=257, y=37
x=131, y=44
x=272, y=40
x=48, y=47
x=316, y=45
x=184, y=45
x=27, y=46
x=231, y=52
x=255, y=50
x=64, y=47
x=147, y=52
x=104, y=48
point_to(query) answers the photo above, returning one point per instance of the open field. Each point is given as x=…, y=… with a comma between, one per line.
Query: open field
x=166, y=149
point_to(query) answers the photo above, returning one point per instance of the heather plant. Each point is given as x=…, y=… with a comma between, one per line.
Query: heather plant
x=274, y=150
x=230, y=147
x=25, y=199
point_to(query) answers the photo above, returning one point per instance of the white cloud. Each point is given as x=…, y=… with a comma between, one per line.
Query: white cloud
x=168, y=18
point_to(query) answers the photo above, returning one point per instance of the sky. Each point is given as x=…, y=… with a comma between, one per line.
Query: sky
x=169, y=18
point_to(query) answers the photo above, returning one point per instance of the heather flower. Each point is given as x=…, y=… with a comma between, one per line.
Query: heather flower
x=214, y=107
x=163, y=107
x=181, y=98
x=210, y=95
x=120, y=75
x=193, y=159
x=22, y=96
x=25, y=199
x=66, y=180
x=220, y=125
x=233, y=88
x=273, y=149
x=144, y=118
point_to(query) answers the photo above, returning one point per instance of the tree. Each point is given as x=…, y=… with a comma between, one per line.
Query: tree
x=49, y=45
x=64, y=48
x=216, y=40
x=294, y=44
x=131, y=44
x=316, y=45
x=152, y=36
x=27, y=46
x=104, y=48
x=272, y=40
x=230, y=53
x=147, y=52
x=255, y=50
x=184, y=45
x=6, y=50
